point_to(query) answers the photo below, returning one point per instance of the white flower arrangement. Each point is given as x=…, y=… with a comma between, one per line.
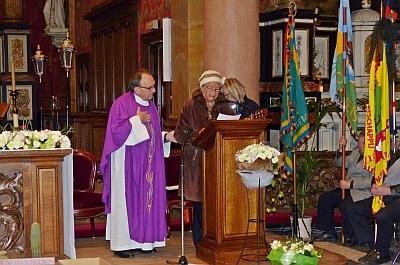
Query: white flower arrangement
x=297, y=247
x=251, y=152
x=25, y=139
x=257, y=164
x=259, y=156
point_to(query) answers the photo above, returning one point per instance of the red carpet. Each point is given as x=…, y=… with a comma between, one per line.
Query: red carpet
x=83, y=230
x=176, y=225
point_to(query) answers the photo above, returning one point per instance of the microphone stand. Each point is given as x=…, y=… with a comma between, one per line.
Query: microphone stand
x=182, y=257
x=237, y=103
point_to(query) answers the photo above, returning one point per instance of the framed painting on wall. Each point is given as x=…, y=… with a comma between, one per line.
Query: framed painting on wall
x=321, y=60
x=17, y=51
x=302, y=46
x=277, y=45
x=24, y=102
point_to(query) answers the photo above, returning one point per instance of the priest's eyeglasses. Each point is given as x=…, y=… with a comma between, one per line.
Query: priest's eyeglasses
x=215, y=89
x=148, y=87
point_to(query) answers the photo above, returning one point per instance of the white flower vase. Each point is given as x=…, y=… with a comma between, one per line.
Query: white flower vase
x=304, y=228
x=255, y=179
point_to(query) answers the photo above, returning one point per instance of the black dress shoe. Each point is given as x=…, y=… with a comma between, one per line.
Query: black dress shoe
x=126, y=254
x=143, y=251
x=369, y=253
x=374, y=257
x=327, y=237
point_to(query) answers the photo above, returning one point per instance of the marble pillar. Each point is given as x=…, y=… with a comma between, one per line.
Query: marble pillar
x=187, y=50
x=232, y=42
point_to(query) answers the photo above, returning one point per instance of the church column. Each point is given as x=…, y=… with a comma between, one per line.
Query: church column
x=187, y=50
x=232, y=42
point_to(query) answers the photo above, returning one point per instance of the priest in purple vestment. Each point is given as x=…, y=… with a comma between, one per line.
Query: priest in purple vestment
x=132, y=165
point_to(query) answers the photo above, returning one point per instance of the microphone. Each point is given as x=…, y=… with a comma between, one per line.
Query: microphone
x=188, y=131
x=234, y=105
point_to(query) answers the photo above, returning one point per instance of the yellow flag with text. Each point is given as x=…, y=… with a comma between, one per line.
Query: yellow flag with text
x=377, y=131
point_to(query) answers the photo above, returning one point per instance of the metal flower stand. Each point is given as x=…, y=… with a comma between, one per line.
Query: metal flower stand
x=255, y=180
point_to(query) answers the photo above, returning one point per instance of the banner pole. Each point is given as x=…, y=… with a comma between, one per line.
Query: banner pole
x=295, y=221
x=344, y=111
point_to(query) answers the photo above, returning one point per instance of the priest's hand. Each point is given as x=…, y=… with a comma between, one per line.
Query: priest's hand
x=170, y=137
x=144, y=116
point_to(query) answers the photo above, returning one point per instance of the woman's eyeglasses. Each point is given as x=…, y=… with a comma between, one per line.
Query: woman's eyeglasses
x=226, y=94
x=215, y=89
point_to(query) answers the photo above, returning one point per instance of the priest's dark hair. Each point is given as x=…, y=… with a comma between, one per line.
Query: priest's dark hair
x=135, y=79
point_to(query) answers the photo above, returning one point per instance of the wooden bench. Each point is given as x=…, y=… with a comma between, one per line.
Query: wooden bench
x=326, y=178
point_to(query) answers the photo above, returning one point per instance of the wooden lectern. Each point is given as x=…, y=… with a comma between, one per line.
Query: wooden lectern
x=225, y=204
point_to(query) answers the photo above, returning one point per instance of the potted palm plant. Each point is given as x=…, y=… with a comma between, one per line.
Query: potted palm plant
x=310, y=160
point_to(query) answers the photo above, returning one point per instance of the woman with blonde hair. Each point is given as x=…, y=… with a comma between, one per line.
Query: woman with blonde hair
x=235, y=92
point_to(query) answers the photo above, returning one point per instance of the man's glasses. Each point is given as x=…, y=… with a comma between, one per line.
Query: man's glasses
x=215, y=89
x=148, y=87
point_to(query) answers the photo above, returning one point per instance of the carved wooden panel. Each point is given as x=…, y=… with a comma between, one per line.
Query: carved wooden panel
x=83, y=81
x=114, y=52
x=11, y=211
x=90, y=130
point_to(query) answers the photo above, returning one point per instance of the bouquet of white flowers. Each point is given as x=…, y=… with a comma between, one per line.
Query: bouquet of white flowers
x=25, y=139
x=258, y=157
x=257, y=164
x=294, y=251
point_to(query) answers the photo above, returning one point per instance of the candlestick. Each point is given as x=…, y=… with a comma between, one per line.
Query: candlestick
x=15, y=120
x=14, y=110
x=13, y=76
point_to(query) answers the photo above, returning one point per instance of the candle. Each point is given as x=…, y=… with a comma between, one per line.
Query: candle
x=15, y=120
x=13, y=76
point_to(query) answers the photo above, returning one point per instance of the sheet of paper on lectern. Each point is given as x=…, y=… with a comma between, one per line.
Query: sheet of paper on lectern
x=224, y=117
